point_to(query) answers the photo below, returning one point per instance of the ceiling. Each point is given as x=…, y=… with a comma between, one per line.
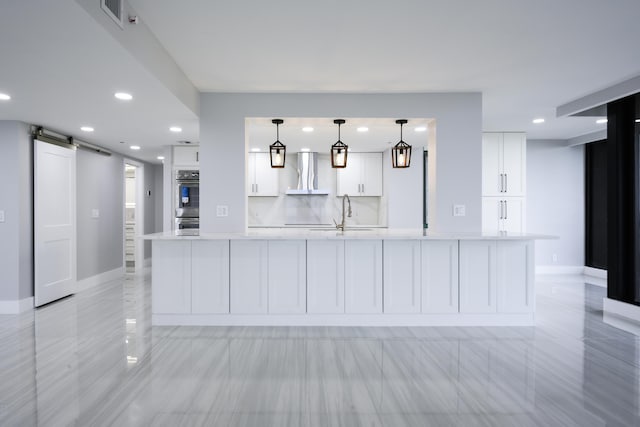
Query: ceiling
x=62, y=67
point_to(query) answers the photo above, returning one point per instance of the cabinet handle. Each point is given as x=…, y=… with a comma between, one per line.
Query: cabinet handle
x=257, y=187
x=197, y=156
x=506, y=212
x=501, y=210
x=501, y=183
x=506, y=183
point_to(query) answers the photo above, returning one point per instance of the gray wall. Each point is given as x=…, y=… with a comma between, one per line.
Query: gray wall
x=555, y=201
x=456, y=153
x=100, y=185
x=150, y=203
x=16, y=233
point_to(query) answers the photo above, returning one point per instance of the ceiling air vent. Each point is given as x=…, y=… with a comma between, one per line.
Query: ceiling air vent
x=114, y=9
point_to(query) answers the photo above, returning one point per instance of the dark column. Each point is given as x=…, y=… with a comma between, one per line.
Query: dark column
x=623, y=152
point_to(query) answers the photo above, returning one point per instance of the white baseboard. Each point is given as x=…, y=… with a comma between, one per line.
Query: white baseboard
x=457, y=319
x=622, y=309
x=595, y=272
x=559, y=269
x=92, y=281
x=16, y=307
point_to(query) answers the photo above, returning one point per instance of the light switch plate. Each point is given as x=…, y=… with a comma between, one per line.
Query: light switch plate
x=1, y=216
x=459, y=210
x=95, y=213
x=222, y=210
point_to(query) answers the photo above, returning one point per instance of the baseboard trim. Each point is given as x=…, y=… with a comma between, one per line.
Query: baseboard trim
x=559, y=269
x=621, y=309
x=16, y=307
x=92, y=281
x=457, y=319
x=595, y=272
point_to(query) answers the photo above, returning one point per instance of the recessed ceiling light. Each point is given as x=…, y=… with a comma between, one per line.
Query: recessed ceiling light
x=4, y=97
x=307, y=129
x=135, y=147
x=637, y=120
x=305, y=150
x=420, y=129
x=363, y=129
x=175, y=129
x=124, y=96
x=601, y=121
x=255, y=150
x=86, y=129
x=160, y=157
x=538, y=120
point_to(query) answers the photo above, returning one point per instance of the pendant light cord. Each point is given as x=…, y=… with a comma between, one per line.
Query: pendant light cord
x=278, y=132
x=401, y=124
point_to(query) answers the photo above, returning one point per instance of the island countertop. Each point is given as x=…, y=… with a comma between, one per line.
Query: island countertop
x=348, y=234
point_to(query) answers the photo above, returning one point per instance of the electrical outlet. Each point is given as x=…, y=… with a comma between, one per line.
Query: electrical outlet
x=222, y=210
x=459, y=210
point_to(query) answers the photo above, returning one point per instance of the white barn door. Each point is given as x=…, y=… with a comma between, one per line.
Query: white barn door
x=54, y=222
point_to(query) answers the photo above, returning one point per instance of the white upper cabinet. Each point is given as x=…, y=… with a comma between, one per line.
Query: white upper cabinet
x=186, y=156
x=504, y=163
x=362, y=176
x=262, y=179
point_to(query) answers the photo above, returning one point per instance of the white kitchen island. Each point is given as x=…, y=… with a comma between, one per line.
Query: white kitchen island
x=376, y=277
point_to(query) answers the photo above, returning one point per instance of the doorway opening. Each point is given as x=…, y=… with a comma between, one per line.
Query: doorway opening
x=133, y=217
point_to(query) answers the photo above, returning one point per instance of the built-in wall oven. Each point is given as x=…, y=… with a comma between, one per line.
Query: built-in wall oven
x=187, y=199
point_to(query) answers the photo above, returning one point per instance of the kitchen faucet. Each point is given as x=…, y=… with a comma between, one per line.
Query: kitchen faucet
x=341, y=225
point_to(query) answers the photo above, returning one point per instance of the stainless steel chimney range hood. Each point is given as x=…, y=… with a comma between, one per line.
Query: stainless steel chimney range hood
x=307, y=176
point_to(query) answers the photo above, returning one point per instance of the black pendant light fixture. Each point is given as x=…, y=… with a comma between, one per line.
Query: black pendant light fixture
x=401, y=152
x=339, y=149
x=277, y=150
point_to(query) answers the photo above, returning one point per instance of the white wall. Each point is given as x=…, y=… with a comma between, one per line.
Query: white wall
x=16, y=233
x=555, y=201
x=457, y=160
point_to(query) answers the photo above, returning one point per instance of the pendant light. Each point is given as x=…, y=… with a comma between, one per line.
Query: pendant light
x=339, y=149
x=401, y=152
x=277, y=150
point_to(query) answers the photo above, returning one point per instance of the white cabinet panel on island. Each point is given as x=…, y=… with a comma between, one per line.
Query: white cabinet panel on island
x=440, y=276
x=287, y=276
x=401, y=276
x=171, y=277
x=210, y=276
x=363, y=276
x=515, y=278
x=325, y=276
x=248, y=276
x=478, y=276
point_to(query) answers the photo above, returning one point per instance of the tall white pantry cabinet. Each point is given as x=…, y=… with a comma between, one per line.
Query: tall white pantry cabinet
x=504, y=171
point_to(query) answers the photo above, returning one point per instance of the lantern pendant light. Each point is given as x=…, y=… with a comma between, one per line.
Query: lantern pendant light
x=277, y=150
x=339, y=149
x=401, y=152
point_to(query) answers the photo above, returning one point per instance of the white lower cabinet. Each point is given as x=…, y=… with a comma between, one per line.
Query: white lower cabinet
x=209, y=276
x=515, y=279
x=287, y=276
x=478, y=276
x=248, y=276
x=363, y=276
x=440, y=276
x=401, y=276
x=325, y=276
x=171, y=277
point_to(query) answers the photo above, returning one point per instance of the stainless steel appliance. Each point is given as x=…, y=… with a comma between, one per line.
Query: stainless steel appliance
x=187, y=199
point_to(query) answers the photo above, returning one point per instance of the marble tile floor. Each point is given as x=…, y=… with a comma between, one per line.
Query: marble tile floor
x=94, y=359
